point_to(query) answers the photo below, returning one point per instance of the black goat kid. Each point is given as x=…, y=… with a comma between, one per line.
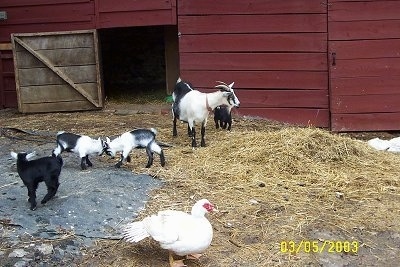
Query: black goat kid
x=32, y=172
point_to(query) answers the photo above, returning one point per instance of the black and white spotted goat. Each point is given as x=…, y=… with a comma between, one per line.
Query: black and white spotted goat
x=34, y=171
x=79, y=144
x=223, y=114
x=139, y=138
x=193, y=106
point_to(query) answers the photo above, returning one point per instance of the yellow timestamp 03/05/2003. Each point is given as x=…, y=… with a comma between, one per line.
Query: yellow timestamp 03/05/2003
x=317, y=246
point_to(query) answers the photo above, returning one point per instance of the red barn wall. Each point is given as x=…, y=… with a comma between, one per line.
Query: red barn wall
x=110, y=14
x=364, y=46
x=274, y=51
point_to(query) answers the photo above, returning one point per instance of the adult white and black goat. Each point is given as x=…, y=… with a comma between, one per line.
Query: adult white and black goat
x=32, y=172
x=193, y=106
x=139, y=138
x=79, y=144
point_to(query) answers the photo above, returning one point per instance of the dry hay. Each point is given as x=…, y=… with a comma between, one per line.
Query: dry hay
x=270, y=184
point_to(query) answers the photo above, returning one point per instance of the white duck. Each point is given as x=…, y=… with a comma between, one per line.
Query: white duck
x=181, y=233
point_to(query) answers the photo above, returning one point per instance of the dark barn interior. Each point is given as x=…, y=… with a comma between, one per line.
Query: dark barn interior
x=133, y=63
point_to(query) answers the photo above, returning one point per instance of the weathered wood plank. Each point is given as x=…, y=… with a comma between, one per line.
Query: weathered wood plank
x=136, y=18
x=291, y=42
x=249, y=7
x=365, y=103
x=252, y=23
x=366, y=67
x=296, y=116
x=61, y=40
x=57, y=106
x=365, y=85
x=384, y=48
x=254, y=61
x=44, y=76
x=259, y=79
x=59, y=57
x=280, y=98
x=365, y=122
x=24, y=3
x=366, y=10
x=356, y=30
x=55, y=93
x=6, y=31
x=66, y=12
x=132, y=5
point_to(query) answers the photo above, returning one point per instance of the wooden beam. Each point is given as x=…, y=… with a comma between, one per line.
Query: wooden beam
x=5, y=46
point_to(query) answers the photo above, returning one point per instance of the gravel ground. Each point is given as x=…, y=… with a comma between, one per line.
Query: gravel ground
x=89, y=205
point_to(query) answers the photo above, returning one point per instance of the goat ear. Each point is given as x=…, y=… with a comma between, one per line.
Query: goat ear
x=30, y=155
x=14, y=155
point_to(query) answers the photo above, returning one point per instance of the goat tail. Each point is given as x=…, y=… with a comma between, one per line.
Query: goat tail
x=154, y=131
x=60, y=132
x=179, y=80
x=134, y=232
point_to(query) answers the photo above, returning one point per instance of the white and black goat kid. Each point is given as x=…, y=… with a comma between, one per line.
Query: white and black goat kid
x=223, y=114
x=79, y=144
x=139, y=138
x=32, y=172
x=193, y=106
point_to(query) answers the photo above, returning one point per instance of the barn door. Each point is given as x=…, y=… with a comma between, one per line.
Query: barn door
x=364, y=42
x=57, y=71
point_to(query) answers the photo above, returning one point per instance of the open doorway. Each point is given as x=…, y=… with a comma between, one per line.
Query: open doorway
x=134, y=63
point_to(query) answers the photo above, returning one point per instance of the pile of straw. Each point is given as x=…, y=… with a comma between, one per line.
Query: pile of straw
x=270, y=182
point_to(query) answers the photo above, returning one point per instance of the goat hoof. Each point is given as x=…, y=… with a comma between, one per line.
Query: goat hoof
x=33, y=208
x=118, y=165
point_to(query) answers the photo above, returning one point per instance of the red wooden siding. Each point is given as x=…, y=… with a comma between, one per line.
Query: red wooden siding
x=27, y=16
x=365, y=78
x=135, y=13
x=8, y=95
x=275, y=51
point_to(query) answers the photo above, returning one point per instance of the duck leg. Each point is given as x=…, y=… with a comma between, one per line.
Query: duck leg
x=193, y=256
x=174, y=263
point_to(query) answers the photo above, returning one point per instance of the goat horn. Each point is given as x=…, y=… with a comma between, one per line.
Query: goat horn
x=224, y=87
x=221, y=82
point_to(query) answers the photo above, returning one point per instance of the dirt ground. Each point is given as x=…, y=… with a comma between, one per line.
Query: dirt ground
x=355, y=246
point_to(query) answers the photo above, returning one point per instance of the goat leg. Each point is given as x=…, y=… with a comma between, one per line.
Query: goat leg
x=162, y=159
x=83, y=165
x=189, y=131
x=119, y=163
x=203, y=131
x=32, y=196
x=149, y=155
x=174, y=132
x=194, y=144
x=216, y=124
x=52, y=188
x=88, y=161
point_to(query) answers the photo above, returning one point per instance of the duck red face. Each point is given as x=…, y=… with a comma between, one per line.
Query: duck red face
x=208, y=206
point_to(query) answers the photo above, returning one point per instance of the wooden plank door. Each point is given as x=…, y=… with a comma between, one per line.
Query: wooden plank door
x=57, y=71
x=364, y=50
